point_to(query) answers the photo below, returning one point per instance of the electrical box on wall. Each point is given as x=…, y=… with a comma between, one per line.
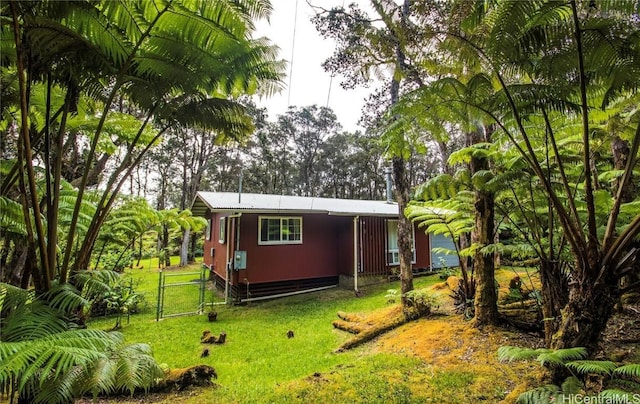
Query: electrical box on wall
x=240, y=260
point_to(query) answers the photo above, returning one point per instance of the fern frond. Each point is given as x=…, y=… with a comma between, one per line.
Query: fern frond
x=135, y=368
x=31, y=321
x=540, y=395
x=630, y=370
x=561, y=356
x=57, y=353
x=592, y=366
x=65, y=298
x=11, y=217
x=571, y=386
x=12, y=297
x=514, y=353
x=96, y=282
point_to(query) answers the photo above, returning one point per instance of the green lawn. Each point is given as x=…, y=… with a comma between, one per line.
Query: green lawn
x=258, y=359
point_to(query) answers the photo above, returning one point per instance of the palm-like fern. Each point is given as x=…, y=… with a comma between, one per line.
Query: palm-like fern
x=44, y=359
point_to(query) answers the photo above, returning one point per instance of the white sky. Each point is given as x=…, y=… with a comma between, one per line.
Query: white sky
x=309, y=82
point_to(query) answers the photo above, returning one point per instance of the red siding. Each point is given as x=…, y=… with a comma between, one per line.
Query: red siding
x=219, y=258
x=316, y=257
x=423, y=249
x=373, y=238
x=344, y=241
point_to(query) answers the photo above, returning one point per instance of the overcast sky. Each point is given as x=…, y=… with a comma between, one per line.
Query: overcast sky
x=309, y=83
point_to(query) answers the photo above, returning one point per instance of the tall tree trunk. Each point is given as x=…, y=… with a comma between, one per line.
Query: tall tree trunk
x=554, y=297
x=401, y=182
x=405, y=228
x=25, y=160
x=620, y=150
x=486, y=299
x=585, y=316
x=166, y=255
x=184, y=248
x=486, y=307
x=192, y=249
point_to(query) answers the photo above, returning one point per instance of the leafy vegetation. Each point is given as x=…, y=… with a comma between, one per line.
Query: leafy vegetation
x=46, y=358
x=619, y=383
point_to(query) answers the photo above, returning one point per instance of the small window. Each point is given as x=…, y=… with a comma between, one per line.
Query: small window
x=222, y=233
x=280, y=230
x=207, y=230
x=393, y=252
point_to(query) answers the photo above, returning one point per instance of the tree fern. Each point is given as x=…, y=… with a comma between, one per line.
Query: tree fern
x=135, y=368
x=95, y=283
x=35, y=320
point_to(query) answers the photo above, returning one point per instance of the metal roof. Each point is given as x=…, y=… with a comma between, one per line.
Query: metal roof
x=266, y=203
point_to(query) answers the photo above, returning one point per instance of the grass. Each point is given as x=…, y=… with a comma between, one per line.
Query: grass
x=259, y=364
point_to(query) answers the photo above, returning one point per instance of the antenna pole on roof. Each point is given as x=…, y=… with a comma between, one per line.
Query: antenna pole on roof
x=240, y=187
x=387, y=172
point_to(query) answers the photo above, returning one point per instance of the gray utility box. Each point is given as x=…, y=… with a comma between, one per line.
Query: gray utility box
x=239, y=260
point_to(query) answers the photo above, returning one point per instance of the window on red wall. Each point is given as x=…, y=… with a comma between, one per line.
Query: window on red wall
x=393, y=253
x=207, y=231
x=222, y=230
x=279, y=230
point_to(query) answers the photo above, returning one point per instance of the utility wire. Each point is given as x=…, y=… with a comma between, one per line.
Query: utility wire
x=331, y=78
x=293, y=47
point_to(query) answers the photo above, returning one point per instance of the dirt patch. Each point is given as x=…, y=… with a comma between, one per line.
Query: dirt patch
x=621, y=339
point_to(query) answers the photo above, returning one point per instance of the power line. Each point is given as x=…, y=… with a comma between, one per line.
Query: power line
x=331, y=78
x=293, y=47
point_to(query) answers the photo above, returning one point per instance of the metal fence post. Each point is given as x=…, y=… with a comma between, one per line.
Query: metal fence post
x=202, y=291
x=159, y=305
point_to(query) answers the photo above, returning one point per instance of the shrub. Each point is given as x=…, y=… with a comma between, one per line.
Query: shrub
x=419, y=303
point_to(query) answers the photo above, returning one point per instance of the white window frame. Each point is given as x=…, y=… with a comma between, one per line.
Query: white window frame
x=394, y=253
x=222, y=230
x=281, y=241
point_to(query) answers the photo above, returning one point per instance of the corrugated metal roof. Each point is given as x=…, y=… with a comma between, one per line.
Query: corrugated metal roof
x=228, y=201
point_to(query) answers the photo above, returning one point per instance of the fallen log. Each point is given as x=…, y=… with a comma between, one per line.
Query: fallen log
x=351, y=317
x=180, y=379
x=373, y=331
x=348, y=326
x=529, y=303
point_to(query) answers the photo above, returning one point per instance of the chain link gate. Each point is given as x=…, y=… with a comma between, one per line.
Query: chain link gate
x=180, y=293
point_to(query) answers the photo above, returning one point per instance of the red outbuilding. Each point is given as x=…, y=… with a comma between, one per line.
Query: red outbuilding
x=259, y=246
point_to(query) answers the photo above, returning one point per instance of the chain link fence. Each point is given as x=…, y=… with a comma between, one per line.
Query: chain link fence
x=180, y=293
